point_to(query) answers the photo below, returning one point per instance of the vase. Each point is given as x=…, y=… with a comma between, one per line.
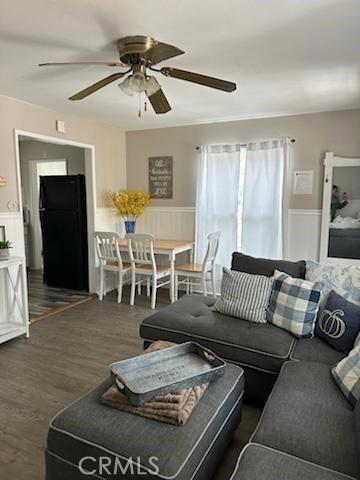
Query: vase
x=130, y=226
x=4, y=254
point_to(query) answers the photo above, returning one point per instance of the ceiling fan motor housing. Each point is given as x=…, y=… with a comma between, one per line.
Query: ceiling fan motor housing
x=132, y=48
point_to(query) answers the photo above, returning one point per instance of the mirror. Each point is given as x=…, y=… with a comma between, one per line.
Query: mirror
x=341, y=209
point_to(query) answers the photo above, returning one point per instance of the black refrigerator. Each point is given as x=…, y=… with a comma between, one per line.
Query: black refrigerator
x=64, y=231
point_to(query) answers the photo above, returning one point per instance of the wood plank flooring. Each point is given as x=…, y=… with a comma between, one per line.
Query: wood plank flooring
x=66, y=355
x=45, y=300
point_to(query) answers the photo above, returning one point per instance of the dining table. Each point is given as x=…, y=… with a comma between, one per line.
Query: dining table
x=170, y=249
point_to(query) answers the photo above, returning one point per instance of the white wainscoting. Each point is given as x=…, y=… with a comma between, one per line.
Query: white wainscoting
x=170, y=223
x=14, y=231
x=304, y=235
x=178, y=223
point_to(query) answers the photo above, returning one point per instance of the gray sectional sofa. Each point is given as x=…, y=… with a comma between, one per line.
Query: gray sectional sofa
x=308, y=429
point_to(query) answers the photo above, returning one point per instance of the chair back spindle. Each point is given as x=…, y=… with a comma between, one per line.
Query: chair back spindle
x=107, y=247
x=141, y=249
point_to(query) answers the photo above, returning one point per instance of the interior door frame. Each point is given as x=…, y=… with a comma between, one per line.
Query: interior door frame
x=90, y=181
x=330, y=162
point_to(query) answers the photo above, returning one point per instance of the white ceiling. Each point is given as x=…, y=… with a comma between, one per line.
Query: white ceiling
x=286, y=56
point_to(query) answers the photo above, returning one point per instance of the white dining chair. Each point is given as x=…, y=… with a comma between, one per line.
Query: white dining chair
x=144, y=267
x=198, y=274
x=108, y=252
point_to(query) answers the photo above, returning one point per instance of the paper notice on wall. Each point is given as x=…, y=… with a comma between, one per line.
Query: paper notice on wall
x=303, y=182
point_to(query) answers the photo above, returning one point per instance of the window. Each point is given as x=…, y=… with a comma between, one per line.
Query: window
x=240, y=193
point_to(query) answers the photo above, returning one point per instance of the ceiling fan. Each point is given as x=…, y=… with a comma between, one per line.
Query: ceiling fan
x=139, y=54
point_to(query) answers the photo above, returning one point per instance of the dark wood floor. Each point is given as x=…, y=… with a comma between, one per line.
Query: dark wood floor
x=66, y=355
x=44, y=300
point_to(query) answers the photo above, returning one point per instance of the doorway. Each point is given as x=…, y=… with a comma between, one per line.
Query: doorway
x=41, y=156
x=36, y=169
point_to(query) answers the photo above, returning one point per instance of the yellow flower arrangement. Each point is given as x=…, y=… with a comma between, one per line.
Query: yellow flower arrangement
x=130, y=204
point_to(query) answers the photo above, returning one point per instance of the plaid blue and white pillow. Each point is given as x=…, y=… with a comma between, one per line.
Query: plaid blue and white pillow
x=347, y=375
x=294, y=304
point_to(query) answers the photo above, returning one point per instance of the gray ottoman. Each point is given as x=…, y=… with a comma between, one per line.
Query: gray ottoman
x=109, y=444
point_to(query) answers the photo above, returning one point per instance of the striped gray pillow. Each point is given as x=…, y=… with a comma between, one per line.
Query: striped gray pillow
x=244, y=295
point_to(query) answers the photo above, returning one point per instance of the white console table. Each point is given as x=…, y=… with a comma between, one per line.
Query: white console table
x=15, y=315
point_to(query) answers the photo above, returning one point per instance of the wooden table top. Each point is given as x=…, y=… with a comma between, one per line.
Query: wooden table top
x=165, y=244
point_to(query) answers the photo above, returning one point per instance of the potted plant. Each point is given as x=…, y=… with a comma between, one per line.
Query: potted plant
x=130, y=204
x=5, y=250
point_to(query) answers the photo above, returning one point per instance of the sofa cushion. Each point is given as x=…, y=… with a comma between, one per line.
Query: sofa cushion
x=307, y=416
x=260, y=462
x=265, y=266
x=87, y=428
x=315, y=350
x=261, y=345
x=244, y=295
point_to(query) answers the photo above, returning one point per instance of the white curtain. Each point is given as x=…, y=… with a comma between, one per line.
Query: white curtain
x=262, y=211
x=217, y=200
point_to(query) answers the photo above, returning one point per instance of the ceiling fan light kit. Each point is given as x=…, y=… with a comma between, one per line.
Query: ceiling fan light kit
x=138, y=54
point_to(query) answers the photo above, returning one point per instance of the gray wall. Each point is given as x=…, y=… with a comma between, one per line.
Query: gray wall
x=314, y=133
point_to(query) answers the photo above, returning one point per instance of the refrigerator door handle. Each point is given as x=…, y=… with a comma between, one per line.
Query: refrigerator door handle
x=41, y=194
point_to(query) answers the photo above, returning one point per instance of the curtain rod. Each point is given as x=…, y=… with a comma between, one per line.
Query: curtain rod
x=292, y=140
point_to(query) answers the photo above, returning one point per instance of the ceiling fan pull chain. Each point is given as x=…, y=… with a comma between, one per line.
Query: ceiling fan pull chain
x=145, y=106
x=139, y=114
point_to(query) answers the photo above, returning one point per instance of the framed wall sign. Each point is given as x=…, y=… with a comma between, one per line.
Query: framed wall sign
x=161, y=177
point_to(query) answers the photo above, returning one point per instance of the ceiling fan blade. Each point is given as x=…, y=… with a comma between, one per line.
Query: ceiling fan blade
x=96, y=86
x=63, y=64
x=200, y=79
x=160, y=52
x=159, y=102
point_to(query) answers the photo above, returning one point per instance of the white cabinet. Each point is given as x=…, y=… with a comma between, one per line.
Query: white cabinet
x=14, y=315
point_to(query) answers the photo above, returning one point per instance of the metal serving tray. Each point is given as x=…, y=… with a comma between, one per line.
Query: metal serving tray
x=157, y=373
